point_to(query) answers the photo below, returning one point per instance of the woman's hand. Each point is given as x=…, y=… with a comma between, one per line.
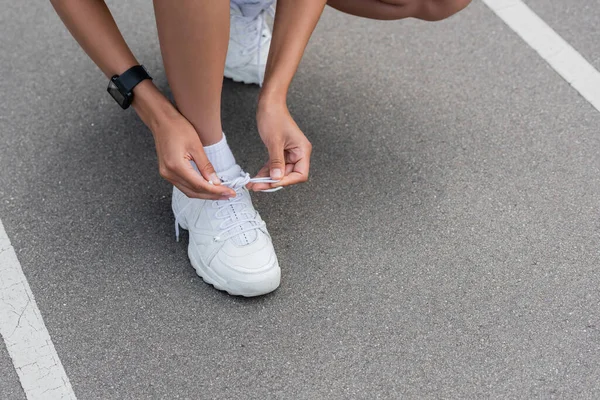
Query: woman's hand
x=289, y=150
x=177, y=143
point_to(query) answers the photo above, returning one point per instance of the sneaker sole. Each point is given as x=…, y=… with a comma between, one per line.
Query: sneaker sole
x=270, y=282
x=237, y=75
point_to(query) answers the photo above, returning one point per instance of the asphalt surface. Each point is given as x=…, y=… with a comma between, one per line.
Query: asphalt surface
x=446, y=245
x=576, y=21
x=9, y=381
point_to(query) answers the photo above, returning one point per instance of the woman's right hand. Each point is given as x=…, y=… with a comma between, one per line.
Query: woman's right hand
x=177, y=143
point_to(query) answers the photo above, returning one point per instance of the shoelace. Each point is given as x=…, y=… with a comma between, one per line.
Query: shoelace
x=255, y=27
x=230, y=230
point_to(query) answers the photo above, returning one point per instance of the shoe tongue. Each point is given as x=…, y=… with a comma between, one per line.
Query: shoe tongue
x=230, y=173
x=251, y=10
x=247, y=237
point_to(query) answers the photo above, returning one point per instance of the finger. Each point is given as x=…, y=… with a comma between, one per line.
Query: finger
x=263, y=173
x=289, y=167
x=276, y=160
x=205, y=167
x=194, y=181
x=195, y=195
x=298, y=175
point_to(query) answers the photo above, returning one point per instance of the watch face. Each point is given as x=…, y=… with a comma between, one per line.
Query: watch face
x=115, y=93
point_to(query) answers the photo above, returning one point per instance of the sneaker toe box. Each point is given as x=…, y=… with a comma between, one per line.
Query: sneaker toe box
x=250, y=270
x=249, y=259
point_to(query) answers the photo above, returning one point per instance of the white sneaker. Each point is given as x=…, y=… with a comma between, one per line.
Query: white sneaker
x=249, y=42
x=229, y=245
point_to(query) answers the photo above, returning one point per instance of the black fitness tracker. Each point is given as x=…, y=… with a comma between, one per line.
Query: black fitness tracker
x=121, y=86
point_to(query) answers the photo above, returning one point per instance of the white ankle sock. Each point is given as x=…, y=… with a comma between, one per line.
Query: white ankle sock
x=220, y=155
x=251, y=8
x=240, y=2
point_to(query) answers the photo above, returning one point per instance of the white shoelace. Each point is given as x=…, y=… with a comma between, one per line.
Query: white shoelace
x=253, y=29
x=227, y=209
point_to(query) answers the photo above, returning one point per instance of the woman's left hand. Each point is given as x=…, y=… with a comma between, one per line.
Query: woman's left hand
x=289, y=150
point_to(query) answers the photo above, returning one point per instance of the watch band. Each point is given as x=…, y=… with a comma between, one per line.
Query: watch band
x=132, y=77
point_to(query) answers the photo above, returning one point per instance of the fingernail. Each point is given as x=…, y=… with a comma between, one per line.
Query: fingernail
x=276, y=173
x=214, y=179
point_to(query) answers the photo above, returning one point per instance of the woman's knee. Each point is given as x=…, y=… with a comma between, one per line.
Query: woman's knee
x=429, y=10
x=436, y=10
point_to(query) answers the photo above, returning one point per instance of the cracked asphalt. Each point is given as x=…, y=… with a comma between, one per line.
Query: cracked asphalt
x=446, y=245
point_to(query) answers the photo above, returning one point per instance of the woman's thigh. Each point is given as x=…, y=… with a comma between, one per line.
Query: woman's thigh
x=429, y=10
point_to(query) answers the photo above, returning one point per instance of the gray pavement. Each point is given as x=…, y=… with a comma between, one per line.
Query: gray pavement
x=446, y=245
x=576, y=21
x=10, y=389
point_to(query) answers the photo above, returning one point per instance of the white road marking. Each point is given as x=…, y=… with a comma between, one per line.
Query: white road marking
x=551, y=47
x=21, y=325
x=27, y=340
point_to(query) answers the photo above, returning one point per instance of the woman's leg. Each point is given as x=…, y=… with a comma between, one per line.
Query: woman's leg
x=428, y=10
x=193, y=38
